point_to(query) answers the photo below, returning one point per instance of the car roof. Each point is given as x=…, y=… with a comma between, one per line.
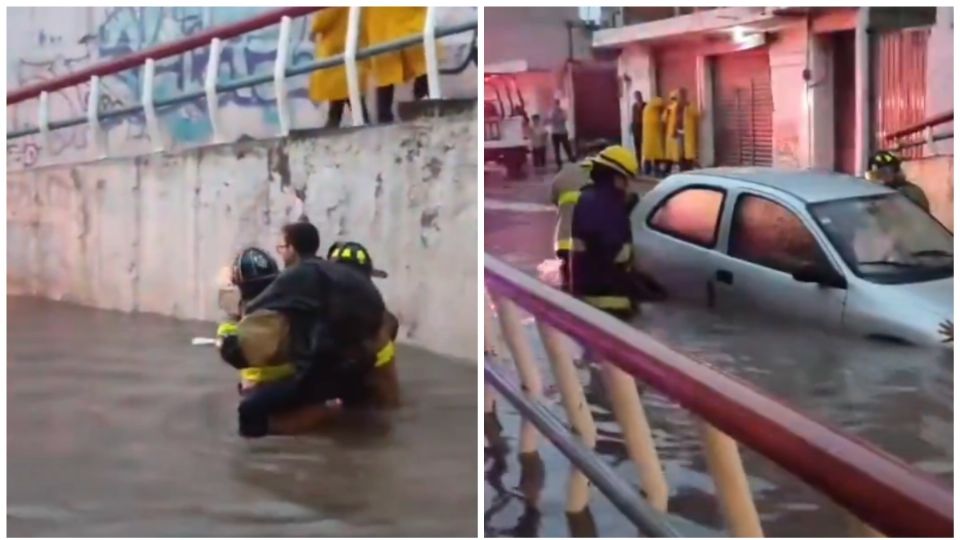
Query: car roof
x=808, y=185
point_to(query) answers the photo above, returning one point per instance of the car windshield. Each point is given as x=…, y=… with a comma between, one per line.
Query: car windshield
x=887, y=238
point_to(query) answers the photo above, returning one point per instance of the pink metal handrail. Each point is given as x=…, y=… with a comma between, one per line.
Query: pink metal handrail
x=920, y=126
x=164, y=50
x=879, y=489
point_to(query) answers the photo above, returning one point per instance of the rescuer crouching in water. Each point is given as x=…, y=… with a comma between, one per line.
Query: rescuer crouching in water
x=281, y=396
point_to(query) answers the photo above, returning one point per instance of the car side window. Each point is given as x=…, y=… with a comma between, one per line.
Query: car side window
x=766, y=233
x=690, y=214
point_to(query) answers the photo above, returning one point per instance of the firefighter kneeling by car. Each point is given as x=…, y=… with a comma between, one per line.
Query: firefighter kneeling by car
x=601, y=260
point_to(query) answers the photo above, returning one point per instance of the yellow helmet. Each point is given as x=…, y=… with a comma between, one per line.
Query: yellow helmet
x=619, y=159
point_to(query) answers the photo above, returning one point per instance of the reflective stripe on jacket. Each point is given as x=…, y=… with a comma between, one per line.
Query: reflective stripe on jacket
x=564, y=194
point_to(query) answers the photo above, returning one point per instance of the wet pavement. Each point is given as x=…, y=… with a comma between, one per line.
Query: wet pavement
x=898, y=398
x=117, y=426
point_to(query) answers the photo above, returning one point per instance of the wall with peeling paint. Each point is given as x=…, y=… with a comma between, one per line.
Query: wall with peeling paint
x=151, y=233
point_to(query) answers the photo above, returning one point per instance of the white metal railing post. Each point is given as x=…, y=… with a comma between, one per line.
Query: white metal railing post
x=93, y=118
x=280, y=77
x=43, y=119
x=350, y=62
x=430, y=52
x=210, y=89
x=578, y=410
x=628, y=410
x=928, y=136
x=149, y=111
x=522, y=352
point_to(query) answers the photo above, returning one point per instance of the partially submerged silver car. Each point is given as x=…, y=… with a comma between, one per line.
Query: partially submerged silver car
x=829, y=249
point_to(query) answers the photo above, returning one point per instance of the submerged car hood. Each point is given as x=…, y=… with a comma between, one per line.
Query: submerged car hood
x=933, y=296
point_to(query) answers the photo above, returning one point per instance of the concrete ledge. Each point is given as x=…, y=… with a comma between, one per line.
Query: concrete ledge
x=434, y=108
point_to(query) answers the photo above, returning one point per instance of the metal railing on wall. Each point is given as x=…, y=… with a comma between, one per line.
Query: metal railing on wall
x=907, y=137
x=213, y=38
x=881, y=494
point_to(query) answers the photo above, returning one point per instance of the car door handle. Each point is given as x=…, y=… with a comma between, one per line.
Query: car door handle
x=725, y=276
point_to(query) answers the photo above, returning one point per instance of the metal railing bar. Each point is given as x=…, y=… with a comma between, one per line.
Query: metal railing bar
x=911, y=144
x=623, y=496
x=902, y=501
x=254, y=80
x=158, y=52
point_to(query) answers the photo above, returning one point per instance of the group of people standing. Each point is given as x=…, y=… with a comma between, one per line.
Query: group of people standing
x=665, y=135
x=311, y=339
x=378, y=25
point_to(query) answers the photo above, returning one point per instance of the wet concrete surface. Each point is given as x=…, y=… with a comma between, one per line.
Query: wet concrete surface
x=898, y=398
x=117, y=426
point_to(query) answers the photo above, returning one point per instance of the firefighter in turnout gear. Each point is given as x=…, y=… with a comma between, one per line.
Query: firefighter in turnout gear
x=602, y=255
x=885, y=168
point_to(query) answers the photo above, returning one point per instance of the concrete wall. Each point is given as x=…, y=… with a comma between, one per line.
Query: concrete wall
x=151, y=233
x=935, y=176
x=535, y=34
x=45, y=43
x=940, y=75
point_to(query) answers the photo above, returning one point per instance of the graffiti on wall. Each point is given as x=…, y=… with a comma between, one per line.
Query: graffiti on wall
x=83, y=36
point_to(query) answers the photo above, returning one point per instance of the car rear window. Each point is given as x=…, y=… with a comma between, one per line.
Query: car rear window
x=691, y=214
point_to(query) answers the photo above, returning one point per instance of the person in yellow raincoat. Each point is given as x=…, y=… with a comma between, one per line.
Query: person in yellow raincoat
x=329, y=31
x=653, y=136
x=383, y=25
x=673, y=119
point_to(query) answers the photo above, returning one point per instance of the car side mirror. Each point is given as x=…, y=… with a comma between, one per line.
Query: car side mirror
x=810, y=273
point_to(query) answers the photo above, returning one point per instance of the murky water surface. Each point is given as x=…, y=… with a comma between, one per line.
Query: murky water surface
x=117, y=426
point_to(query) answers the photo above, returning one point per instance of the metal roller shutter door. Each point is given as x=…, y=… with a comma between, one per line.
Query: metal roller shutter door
x=743, y=108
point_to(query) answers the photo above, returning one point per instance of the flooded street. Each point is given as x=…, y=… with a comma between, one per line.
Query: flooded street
x=117, y=426
x=898, y=398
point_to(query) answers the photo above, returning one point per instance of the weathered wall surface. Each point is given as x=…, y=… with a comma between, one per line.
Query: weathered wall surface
x=935, y=176
x=151, y=233
x=45, y=43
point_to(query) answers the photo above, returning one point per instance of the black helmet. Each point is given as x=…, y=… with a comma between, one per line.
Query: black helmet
x=253, y=270
x=354, y=254
x=883, y=159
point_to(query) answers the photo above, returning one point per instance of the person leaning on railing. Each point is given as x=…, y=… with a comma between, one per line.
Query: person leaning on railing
x=329, y=32
x=385, y=24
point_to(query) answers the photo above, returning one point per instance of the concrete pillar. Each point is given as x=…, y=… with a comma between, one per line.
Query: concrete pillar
x=820, y=102
x=636, y=71
x=862, y=88
x=705, y=104
x=940, y=75
x=791, y=125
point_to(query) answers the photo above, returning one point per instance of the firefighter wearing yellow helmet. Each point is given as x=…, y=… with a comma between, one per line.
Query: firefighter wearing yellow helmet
x=601, y=258
x=885, y=168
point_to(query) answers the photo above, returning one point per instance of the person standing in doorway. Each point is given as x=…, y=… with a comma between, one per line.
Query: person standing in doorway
x=636, y=122
x=558, y=133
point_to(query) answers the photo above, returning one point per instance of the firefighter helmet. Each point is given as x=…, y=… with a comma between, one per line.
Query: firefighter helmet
x=253, y=270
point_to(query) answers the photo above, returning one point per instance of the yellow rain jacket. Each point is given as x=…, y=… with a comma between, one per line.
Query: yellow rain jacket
x=691, y=132
x=653, y=130
x=386, y=24
x=673, y=121
x=330, y=29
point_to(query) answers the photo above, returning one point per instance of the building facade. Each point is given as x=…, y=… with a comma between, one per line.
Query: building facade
x=790, y=87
